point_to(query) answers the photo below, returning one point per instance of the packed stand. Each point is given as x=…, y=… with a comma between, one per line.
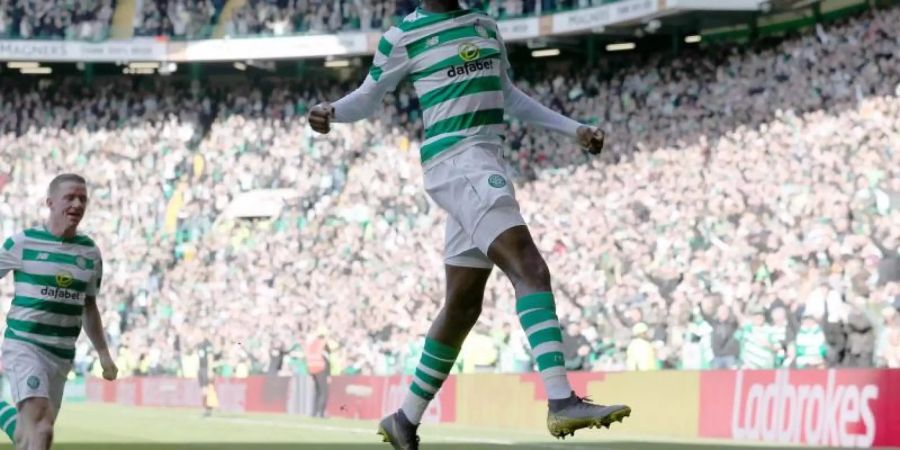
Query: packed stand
x=184, y=19
x=282, y=17
x=180, y=19
x=56, y=19
x=735, y=221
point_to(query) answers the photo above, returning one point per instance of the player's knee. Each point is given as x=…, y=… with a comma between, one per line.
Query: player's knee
x=537, y=274
x=520, y=259
x=513, y=243
x=467, y=313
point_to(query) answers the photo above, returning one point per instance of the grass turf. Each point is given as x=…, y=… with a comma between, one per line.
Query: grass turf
x=113, y=427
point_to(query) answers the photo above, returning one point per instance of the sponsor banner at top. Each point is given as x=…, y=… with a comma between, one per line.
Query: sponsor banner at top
x=601, y=16
x=64, y=51
x=519, y=29
x=262, y=48
x=716, y=5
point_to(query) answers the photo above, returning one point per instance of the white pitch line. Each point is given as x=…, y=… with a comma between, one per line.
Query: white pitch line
x=301, y=426
x=468, y=440
x=304, y=426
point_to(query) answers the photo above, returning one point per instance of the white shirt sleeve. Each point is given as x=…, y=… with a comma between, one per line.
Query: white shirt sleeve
x=10, y=257
x=525, y=108
x=93, y=287
x=389, y=67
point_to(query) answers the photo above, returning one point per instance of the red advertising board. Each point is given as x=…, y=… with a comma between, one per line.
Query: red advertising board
x=835, y=408
x=232, y=393
x=99, y=390
x=371, y=398
x=358, y=397
x=252, y=394
x=164, y=391
x=840, y=408
x=267, y=394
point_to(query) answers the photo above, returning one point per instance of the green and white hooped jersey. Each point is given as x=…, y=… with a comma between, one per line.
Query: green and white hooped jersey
x=53, y=276
x=458, y=66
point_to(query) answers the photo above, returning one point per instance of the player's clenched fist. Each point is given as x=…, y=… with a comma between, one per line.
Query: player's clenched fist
x=591, y=139
x=320, y=117
x=110, y=371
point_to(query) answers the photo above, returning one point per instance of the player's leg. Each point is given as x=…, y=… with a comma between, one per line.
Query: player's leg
x=8, y=419
x=12, y=362
x=36, y=416
x=465, y=292
x=204, y=382
x=205, y=399
x=36, y=385
x=210, y=398
x=514, y=251
x=7, y=415
x=320, y=380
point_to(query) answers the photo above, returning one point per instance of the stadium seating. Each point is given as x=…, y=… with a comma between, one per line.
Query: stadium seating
x=183, y=19
x=55, y=19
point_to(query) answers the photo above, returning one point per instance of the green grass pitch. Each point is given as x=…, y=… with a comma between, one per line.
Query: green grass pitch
x=111, y=427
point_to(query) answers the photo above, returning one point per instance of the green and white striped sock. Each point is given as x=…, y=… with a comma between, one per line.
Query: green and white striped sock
x=537, y=314
x=8, y=419
x=436, y=363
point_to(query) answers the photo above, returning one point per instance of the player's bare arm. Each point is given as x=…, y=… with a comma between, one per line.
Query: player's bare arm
x=92, y=324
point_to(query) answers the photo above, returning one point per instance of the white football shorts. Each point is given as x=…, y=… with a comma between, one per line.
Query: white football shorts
x=33, y=372
x=473, y=187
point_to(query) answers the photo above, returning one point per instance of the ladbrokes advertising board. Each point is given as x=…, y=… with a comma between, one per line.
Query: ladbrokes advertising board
x=835, y=408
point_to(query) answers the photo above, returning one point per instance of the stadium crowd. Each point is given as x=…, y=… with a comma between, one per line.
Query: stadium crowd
x=53, y=19
x=179, y=19
x=746, y=214
x=184, y=19
x=279, y=17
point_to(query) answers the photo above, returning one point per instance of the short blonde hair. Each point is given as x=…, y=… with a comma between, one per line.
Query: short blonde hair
x=63, y=178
